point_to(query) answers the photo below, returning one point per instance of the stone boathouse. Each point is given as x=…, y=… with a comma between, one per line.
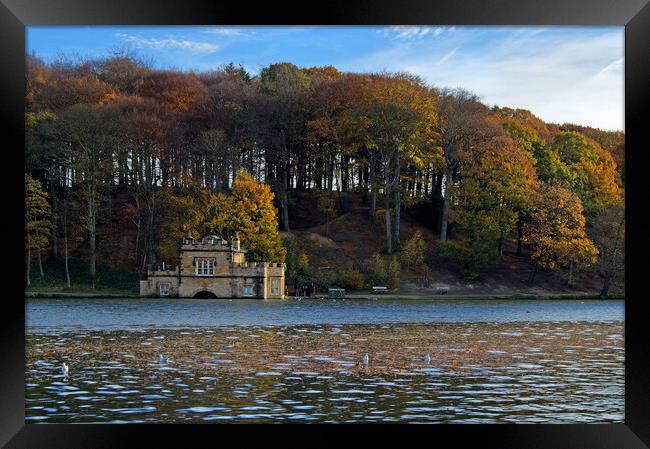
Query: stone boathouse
x=212, y=267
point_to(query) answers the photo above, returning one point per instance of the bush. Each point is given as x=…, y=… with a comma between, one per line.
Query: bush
x=470, y=256
x=380, y=214
x=353, y=279
x=297, y=261
x=394, y=272
x=324, y=279
x=415, y=251
x=378, y=268
x=302, y=264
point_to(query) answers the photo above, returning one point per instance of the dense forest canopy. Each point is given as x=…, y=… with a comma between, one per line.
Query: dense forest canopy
x=119, y=146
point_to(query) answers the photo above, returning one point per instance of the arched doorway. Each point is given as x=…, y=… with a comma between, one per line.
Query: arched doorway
x=204, y=294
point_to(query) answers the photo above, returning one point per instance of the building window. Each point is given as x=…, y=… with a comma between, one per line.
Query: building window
x=248, y=290
x=204, y=267
x=275, y=286
x=163, y=289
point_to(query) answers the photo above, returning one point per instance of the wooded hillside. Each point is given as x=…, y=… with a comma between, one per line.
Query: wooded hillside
x=131, y=158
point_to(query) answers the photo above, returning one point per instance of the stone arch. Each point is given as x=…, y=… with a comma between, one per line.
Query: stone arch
x=204, y=294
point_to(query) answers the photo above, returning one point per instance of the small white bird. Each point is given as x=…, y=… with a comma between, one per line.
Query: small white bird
x=64, y=369
x=427, y=358
x=365, y=359
x=162, y=359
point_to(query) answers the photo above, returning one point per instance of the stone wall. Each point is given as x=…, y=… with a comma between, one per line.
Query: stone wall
x=151, y=286
x=230, y=275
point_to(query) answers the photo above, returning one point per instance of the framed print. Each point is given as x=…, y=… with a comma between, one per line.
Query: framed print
x=369, y=214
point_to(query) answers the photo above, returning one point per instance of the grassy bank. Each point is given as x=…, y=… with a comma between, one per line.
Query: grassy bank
x=108, y=282
x=487, y=296
x=78, y=294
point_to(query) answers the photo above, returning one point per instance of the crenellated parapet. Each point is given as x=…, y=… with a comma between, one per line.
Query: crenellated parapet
x=213, y=265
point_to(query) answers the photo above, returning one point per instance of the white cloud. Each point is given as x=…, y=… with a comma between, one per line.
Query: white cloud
x=408, y=32
x=447, y=56
x=228, y=32
x=614, y=65
x=558, y=76
x=169, y=43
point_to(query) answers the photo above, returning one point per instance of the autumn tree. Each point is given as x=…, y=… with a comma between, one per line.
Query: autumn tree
x=414, y=253
x=38, y=221
x=229, y=140
x=247, y=209
x=460, y=123
x=176, y=91
x=283, y=87
x=147, y=126
x=495, y=185
x=65, y=84
x=326, y=206
x=495, y=188
x=608, y=233
x=186, y=210
x=378, y=269
x=91, y=132
x=124, y=73
x=353, y=279
x=329, y=95
x=395, y=120
x=255, y=217
x=586, y=169
x=556, y=232
x=394, y=272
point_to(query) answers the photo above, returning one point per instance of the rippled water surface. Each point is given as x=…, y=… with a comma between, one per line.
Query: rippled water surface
x=125, y=313
x=253, y=361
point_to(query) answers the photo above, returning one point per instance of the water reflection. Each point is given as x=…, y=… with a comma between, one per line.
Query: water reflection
x=478, y=373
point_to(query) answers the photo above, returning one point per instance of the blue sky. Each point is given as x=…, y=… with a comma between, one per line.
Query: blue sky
x=561, y=74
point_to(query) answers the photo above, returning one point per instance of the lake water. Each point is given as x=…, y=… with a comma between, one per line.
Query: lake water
x=302, y=361
x=104, y=314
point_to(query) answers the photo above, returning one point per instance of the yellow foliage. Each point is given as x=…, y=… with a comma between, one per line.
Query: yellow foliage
x=556, y=231
x=248, y=209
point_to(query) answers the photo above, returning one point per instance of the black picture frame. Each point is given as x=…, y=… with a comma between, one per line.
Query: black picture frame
x=633, y=14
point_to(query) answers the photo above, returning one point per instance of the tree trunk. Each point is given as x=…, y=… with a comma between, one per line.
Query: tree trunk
x=533, y=272
x=91, y=233
x=520, y=235
x=55, y=212
x=151, y=256
x=344, y=173
x=65, y=244
x=284, y=195
x=138, y=225
x=40, y=264
x=284, y=199
x=398, y=199
x=605, y=290
x=29, y=261
x=436, y=195
x=444, y=219
x=330, y=173
x=373, y=191
x=389, y=237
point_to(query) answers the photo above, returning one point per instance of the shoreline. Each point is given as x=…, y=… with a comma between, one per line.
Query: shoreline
x=362, y=296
